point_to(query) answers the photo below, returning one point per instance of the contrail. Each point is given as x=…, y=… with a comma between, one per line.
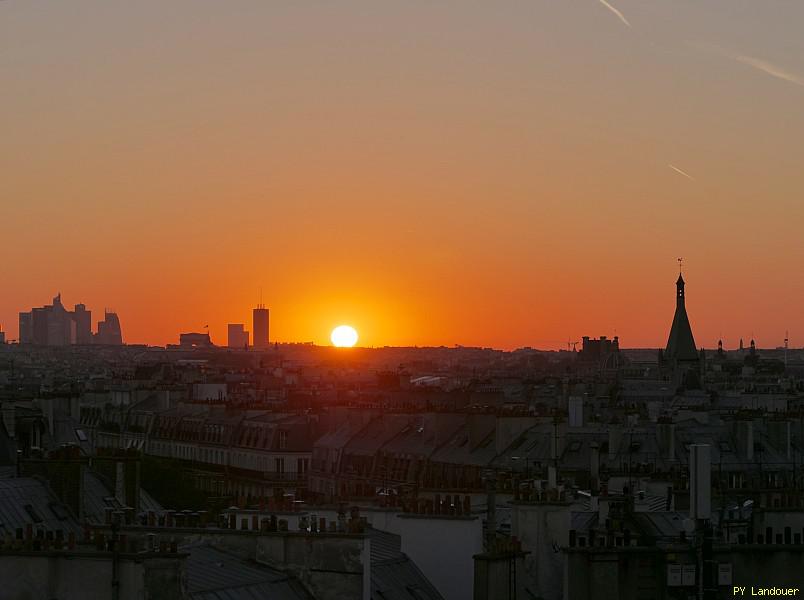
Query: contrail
x=677, y=170
x=755, y=63
x=770, y=69
x=616, y=12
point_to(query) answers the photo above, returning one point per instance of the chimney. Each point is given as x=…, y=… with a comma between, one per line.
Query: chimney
x=779, y=434
x=491, y=511
x=576, y=411
x=594, y=467
x=602, y=509
x=492, y=569
x=122, y=469
x=119, y=483
x=64, y=472
x=745, y=438
x=615, y=438
x=46, y=406
x=700, y=481
x=666, y=436
x=8, y=410
x=552, y=478
x=75, y=408
x=558, y=442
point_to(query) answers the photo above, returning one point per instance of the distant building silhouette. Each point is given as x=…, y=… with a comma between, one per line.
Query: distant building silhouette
x=83, y=325
x=109, y=332
x=260, y=326
x=195, y=340
x=237, y=336
x=50, y=325
x=681, y=344
x=597, y=350
x=54, y=325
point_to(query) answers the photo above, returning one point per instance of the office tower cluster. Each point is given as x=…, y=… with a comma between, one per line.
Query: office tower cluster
x=238, y=335
x=54, y=325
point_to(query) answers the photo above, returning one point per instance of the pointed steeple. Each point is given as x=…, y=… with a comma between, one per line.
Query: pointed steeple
x=680, y=343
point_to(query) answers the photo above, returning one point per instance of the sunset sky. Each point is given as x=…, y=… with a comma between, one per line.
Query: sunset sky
x=456, y=172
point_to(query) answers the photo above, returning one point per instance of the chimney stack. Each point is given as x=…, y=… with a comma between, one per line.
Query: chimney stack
x=666, y=434
x=594, y=480
x=700, y=482
x=745, y=438
x=8, y=409
x=575, y=411
x=779, y=434
x=615, y=438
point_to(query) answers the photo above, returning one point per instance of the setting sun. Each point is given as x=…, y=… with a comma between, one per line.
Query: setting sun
x=344, y=336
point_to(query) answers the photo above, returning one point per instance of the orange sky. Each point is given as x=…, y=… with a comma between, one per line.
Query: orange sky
x=431, y=173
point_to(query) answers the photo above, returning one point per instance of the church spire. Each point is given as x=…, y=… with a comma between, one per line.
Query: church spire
x=681, y=343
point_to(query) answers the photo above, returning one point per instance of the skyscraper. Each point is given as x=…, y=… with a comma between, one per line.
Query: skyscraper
x=54, y=325
x=50, y=325
x=83, y=324
x=26, y=328
x=109, y=332
x=260, y=326
x=238, y=336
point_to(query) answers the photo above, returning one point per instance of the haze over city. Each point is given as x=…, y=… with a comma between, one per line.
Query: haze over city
x=406, y=300
x=450, y=173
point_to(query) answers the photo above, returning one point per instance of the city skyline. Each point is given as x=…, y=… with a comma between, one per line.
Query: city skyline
x=432, y=175
x=370, y=300
x=680, y=342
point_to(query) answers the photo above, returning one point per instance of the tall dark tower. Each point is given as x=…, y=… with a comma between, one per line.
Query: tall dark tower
x=259, y=326
x=680, y=343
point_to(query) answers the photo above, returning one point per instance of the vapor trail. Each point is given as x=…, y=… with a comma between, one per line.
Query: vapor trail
x=616, y=12
x=679, y=171
x=770, y=69
x=750, y=61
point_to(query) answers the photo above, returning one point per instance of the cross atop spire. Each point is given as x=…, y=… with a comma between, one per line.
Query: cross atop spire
x=680, y=264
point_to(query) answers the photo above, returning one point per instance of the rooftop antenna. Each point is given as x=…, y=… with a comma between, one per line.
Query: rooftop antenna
x=260, y=304
x=786, y=344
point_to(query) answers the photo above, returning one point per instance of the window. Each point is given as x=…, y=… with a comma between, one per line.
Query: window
x=280, y=465
x=60, y=511
x=29, y=508
x=283, y=440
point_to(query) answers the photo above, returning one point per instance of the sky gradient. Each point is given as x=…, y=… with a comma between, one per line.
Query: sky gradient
x=455, y=172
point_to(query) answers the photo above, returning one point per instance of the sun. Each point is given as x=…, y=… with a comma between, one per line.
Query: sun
x=344, y=336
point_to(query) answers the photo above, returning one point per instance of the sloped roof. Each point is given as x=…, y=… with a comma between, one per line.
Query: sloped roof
x=400, y=580
x=213, y=574
x=393, y=575
x=376, y=434
x=25, y=500
x=97, y=497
